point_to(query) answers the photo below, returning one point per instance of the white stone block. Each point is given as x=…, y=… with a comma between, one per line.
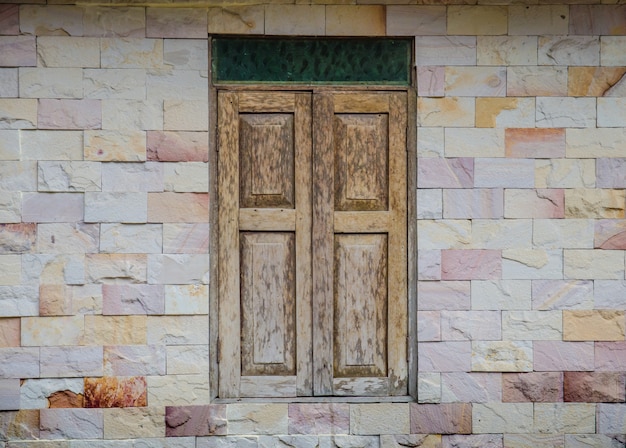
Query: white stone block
x=429, y=203
x=512, y=418
x=34, y=393
x=569, y=50
x=36, y=82
x=501, y=294
x=116, y=207
x=502, y=356
x=52, y=145
x=110, y=83
x=186, y=177
x=68, y=51
x=69, y=176
x=558, y=112
x=565, y=173
x=186, y=299
x=130, y=115
x=19, y=300
x=532, y=264
x=563, y=233
x=501, y=233
x=178, y=269
x=507, y=50
x=10, y=207
x=186, y=54
x=532, y=325
x=131, y=238
x=443, y=234
x=474, y=142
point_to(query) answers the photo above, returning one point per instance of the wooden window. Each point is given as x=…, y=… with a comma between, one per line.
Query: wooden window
x=312, y=244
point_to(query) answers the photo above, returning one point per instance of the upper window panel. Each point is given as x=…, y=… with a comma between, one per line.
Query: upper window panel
x=312, y=61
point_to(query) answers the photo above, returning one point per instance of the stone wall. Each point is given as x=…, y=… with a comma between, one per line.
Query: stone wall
x=104, y=234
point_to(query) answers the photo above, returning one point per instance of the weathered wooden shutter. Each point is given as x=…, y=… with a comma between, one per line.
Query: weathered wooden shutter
x=312, y=248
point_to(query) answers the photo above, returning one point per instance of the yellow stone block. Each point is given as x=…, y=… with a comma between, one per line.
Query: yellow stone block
x=345, y=20
x=592, y=81
x=449, y=112
x=594, y=203
x=295, y=19
x=488, y=110
x=116, y=330
x=594, y=325
x=477, y=20
x=237, y=20
x=128, y=423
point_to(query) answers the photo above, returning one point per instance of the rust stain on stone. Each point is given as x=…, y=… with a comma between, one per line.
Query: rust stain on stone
x=65, y=399
x=115, y=392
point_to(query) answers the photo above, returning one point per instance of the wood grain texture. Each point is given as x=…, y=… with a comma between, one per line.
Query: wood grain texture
x=268, y=386
x=266, y=102
x=274, y=219
x=360, y=102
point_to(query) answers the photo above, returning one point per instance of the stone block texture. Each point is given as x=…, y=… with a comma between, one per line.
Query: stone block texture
x=107, y=177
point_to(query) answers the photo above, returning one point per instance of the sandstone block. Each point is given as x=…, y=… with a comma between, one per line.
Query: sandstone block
x=131, y=115
x=134, y=360
x=9, y=83
x=69, y=114
x=70, y=362
x=51, y=145
x=205, y=420
x=594, y=387
x=185, y=238
x=430, y=142
x=116, y=207
x=68, y=51
x=185, y=115
x=68, y=176
x=18, y=176
x=565, y=173
x=10, y=270
x=474, y=387
x=451, y=418
x=115, y=146
x=18, y=113
x=38, y=82
x=54, y=269
x=429, y=203
x=10, y=19
x=532, y=264
x=19, y=300
x=446, y=172
x=534, y=203
x=43, y=393
x=536, y=81
x=257, y=418
x=131, y=53
x=559, y=418
x=512, y=418
x=421, y=440
x=610, y=172
x=598, y=203
x=177, y=85
x=186, y=299
x=597, y=19
x=475, y=81
x=131, y=238
x=474, y=142
x=477, y=20
x=58, y=331
x=379, y=418
x=506, y=50
x=581, y=112
x=610, y=234
x=501, y=295
x=18, y=51
x=450, y=112
x=534, y=440
x=611, y=418
x=179, y=390
x=532, y=386
x=561, y=356
x=116, y=268
x=471, y=264
x=611, y=112
x=428, y=326
x=473, y=440
x=20, y=425
x=136, y=422
x=115, y=392
x=187, y=359
x=431, y=81
x=115, y=330
x=429, y=265
x=19, y=362
x=178, y=269
x=429, y=387
x=445, y=50
x=133, y=299
x=10, y=332
x=71, y=424
x=532, y=325
x=413, y=20
x=319, y=418
x=611, y=53
x=563, y=294
x=594, y=143
x=361, y=20
x=187, y=54
x=471, y=325
x=594, y=440
x=505, y=113
x=538, y=19
x=237, y=20
x=569, y=50
x=295, y=19
x=168, y=146
x=127, y=177
x=502, y=356
x=501, y=234
x=445, y=295
x=10, y=142
x=60, y=20
x=570, y=233
x=504, y=173
x=178, y=330
x=10, y=394
x=186, y=177
x=112, y=83
x=592, y=325
x=595, y=81
x=593, y=264
x=609, y=294
x=179, y=23
x=229, y=442
x=445, y=356
x=178, y=207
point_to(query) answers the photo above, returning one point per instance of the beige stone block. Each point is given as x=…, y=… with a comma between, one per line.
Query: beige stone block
x=54, y=269
x=449, y=112
x=131, y=115
x=187, y=54
x=116, y=268
x=68, y=176
x=506, y=50
x=185, y=115
x=445, y=50
x=186, y=299
x=502, y=356
x=104, y=21
x=177, y=85
x=593, y=264
x=532, y=264
x=131, y=52
x=429, y=387
x=178, y=330
x=115, y=146
x=414, y=20
x=430, y=142
x=477, y=20
x=10, y=270
x=595, y=143
x=115, y=330
x=536, y=81
x=595, y=203
x=52, y=145
x=67, y=51
x=361, y=20
x=532, y=325
x=475, y=81
x=67, y=238
x=187, y=359
x=183, y=23
x=178, y=390
x=501, y=233
x=18, y=113
x=187, y=177
x=115, y=83
x=51, y=20
x=257, y=418
x=474, y=142
x=237, y=20
x=129, y=423
x=36, y=82
x=563, y=233
x=131, y=238
x=52, y=331
x=300, y=20
x=501, y=295
x=594, y=325
x=570, y=418
x=596, y=81
x=612, y=51
x=511, y=418
x=505, y=112
x=444, y=234
x=379, y=418
x=569, y=50
x=10, y=207
x=538, y=19
x=565, y=173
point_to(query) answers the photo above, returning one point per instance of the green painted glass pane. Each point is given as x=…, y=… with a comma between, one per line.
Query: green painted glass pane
x=312, y=61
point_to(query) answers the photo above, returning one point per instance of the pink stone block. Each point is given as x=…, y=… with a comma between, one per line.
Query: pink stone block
x=134, y=360
x=168, y=146
x=10, y=332
x=186, y=238
x=610, y=356
x=69, y=114
x=52, y=207
x=444, y=356
x=116, y=392
x=445, y=173
x=133, y=299
x=178, y=207
x=184, y=23
x=428, y=326
x=534, y=203
x=610, y=234
x=473, y=387
x=594, y=387
x=561, y=356
x=532, y=386
x=190, y=421
x=480, y=203
x=452, y=418
x=534, y=143
x=319, y=418
x=17, y=238
x=9, y=19
x=72, y=424
x=430, y=81
x=472, y=264
x=18, y=51
x=597, y=20
x=444, y=295
x=611, y=172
